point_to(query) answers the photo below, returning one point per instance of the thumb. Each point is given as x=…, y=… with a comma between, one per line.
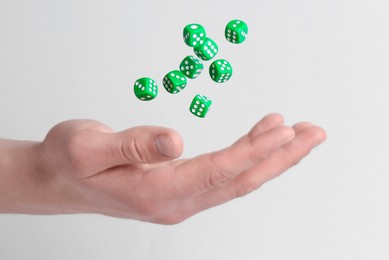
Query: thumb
x=138, y=145
x=144, y=144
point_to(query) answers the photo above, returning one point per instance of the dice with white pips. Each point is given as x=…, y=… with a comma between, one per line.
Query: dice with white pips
x=207, y=51
x=220, y=71
x=200, y=105
x=236, y=31
x=145, y=89
x=174, y=81
x=194, y=34
x=191, y=66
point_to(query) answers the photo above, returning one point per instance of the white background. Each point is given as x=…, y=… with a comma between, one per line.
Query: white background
x=310, y=60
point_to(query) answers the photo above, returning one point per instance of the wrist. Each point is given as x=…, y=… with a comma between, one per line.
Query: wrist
x=24, y=183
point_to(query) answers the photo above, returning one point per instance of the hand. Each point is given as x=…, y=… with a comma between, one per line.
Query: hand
x=134, y=174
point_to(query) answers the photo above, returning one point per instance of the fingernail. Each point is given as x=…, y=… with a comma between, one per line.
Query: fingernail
x=165, y=145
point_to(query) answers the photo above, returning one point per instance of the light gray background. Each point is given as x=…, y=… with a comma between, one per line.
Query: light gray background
x=321, y=61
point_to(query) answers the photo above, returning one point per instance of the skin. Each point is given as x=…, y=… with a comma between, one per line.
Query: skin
x=82, y=166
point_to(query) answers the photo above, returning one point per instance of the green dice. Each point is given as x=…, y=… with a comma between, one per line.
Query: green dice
x=174, y=81
x=220, y=71
x=200, y=105
x=194, y=35
x=206, y=51
x=191, y=67
x=236, y=31
x=145, y=89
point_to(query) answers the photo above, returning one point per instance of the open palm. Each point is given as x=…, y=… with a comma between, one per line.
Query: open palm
x=135, y=174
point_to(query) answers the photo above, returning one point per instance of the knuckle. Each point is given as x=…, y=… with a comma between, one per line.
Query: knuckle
x=215, y=179
x=244, y=190
x=131, y=150
x=296, y=161
x=217, y=175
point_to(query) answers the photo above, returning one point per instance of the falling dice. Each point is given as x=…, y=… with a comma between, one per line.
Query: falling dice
x=200, y=105
x=194, y=35
x=145, y=89
x=191, y=67
x=174, y=81
x=206, y=51
x=236, y=31
x=220, y=70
